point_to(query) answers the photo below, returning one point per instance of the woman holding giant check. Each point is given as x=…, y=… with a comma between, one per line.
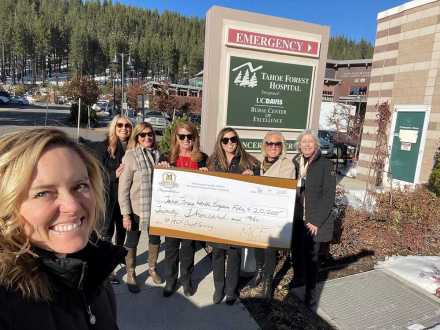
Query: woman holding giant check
x=275, y=164
x=184, y=153
x=229, y=156
x=135, y=198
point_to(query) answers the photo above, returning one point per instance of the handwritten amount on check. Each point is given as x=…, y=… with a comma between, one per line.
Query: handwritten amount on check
x=168, y=203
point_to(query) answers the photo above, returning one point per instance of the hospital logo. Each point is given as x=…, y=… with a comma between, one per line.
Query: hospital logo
x=246, y=76
x=168, y=180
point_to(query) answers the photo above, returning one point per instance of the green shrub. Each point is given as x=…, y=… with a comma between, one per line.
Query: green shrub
x=165, y=141
x=404, y=222
x=407, y=205
x=84, y=115
x=20, y=90
x=434, y=179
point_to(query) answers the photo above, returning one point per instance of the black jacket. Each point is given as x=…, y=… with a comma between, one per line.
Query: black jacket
x=81, y=293
x=110, y=165
x=320, y=189
x=234, y=167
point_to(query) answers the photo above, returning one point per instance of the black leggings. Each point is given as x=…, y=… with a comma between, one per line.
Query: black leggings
x=226, y=280
x=176, y=250
x=134, y=234
x=111, y=222
x=305, y=257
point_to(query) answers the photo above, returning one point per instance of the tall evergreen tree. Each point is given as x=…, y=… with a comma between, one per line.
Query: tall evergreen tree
x=45, y=37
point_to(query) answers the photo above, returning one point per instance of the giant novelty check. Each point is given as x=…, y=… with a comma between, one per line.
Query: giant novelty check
x=223, y=208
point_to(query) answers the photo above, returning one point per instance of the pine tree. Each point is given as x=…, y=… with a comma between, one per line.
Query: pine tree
x=237, y=80
x=245, y=80
x=253, y=82
x=42, y=36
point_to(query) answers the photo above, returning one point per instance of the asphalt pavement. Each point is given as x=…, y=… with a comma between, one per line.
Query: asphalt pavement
x=14, y=118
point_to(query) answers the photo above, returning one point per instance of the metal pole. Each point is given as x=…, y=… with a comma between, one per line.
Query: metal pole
x=114, y=95
x=47, y=110
x=79, y=119
x=88, y=116
x=122, y=84
x=3, y=62
x=143, y=108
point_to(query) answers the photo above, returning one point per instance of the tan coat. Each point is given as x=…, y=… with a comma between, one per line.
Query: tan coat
x=282, y=168
x=130, y=196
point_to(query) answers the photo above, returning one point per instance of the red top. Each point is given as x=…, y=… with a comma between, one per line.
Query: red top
x=186, y=162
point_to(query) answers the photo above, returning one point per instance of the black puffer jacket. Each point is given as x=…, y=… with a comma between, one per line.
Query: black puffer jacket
x=319, y=193
x=82, y=297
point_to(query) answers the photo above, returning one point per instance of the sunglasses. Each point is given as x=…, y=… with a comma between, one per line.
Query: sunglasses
x=233, y=139
x=120, y=125
x=274, y=144
x=183, y=136
x=143, y=134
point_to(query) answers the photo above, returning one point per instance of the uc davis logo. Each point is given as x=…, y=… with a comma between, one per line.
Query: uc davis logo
x=248, y=78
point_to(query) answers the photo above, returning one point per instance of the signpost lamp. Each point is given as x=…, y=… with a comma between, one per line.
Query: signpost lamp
x=130, y=65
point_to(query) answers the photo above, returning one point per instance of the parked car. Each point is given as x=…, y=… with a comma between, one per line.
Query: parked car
x=5, y=94
x=342, y=148
x=157, y=120
x=101, y=105
x=19, y=100
x=327, y=147
x=4, y=100
x=195, y=118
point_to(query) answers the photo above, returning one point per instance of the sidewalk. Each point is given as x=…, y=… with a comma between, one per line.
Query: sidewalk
x=377, y=299
x=150, y=310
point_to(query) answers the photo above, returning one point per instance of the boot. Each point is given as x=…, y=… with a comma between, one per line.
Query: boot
x=267, y=289
x=170, y=288
x=264, y=289
x=311, y=298
x=218, y=297
x=130, y=261
x=258, y=277
x=113, y=279
x=188, y=288
x=153, y=253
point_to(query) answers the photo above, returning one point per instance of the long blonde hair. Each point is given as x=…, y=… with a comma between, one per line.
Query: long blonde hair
x=19, y=155
x=112, y=138
x=196, y=154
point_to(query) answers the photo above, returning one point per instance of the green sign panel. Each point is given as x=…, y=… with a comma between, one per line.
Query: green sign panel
x=406, y=145
x=265, y=94
x=254, y=145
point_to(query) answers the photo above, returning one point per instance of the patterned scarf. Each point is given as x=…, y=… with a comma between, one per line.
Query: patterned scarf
x=267, y=164
x=303, y=167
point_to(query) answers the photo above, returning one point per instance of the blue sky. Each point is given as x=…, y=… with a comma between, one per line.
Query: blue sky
x=355, y=19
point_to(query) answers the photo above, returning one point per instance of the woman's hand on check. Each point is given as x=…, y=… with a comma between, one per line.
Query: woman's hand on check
x=164, y=164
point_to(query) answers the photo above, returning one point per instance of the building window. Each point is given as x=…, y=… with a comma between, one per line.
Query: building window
x=327, y=96
x=358, y=90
